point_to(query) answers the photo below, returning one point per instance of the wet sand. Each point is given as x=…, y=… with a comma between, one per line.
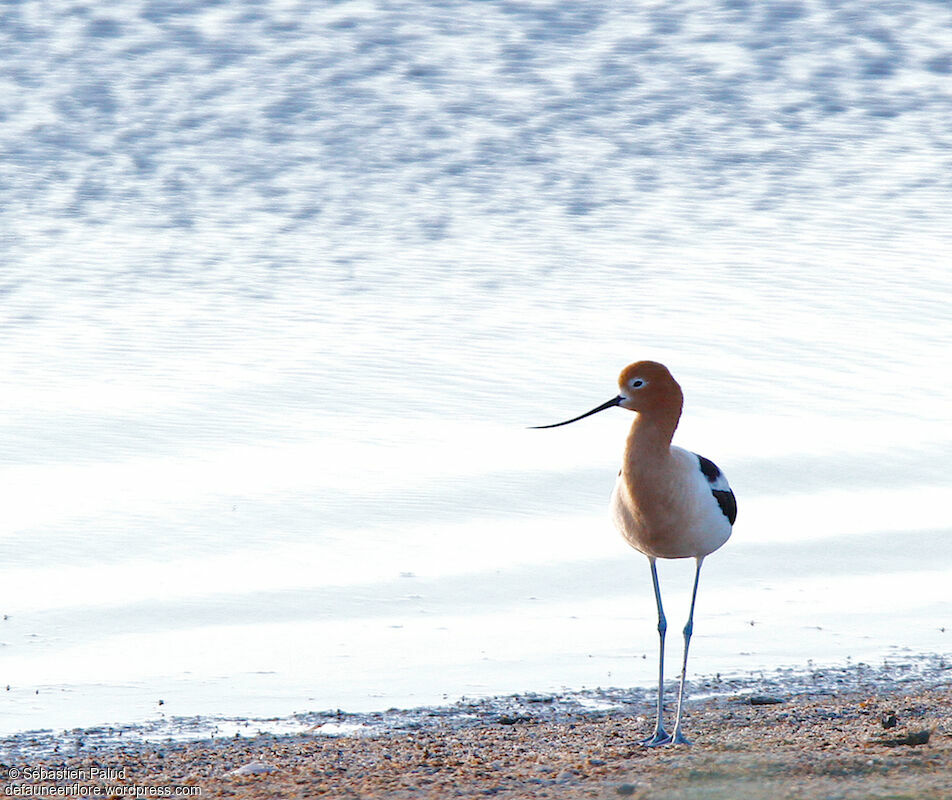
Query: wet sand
x=849, y=733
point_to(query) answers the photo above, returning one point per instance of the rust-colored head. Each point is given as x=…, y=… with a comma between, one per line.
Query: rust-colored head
x=645, y=386
x=648, y=386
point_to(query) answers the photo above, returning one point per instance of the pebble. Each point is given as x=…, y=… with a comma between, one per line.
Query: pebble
x=913, y=739
x=764, y=700
x=254, y=768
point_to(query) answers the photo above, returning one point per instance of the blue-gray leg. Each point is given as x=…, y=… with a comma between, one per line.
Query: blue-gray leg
x=660, y=736
x=678, y=736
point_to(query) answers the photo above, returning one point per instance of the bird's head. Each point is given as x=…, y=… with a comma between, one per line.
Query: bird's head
x=647, y=385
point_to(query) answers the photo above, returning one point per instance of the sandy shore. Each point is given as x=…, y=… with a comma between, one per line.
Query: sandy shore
x=854, y=733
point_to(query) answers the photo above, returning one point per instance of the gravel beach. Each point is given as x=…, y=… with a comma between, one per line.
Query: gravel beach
x=855, y=732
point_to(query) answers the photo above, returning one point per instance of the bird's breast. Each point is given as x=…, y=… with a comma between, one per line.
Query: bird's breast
x=666, y=510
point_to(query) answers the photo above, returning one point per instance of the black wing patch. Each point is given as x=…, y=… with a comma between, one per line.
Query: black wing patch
x=709, y=468
x=719, y=488
x=727, y=502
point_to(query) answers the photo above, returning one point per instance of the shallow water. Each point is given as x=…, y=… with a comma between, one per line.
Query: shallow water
x=282, y=288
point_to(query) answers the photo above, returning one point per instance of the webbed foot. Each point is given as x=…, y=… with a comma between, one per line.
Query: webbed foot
x=659, y=738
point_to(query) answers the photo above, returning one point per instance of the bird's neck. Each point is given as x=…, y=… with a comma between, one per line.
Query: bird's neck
x=649, y=441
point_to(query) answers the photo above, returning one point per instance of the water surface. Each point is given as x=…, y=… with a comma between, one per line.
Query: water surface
x=283, y=286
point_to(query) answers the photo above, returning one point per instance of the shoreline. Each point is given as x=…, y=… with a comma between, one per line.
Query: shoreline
x=755, y=736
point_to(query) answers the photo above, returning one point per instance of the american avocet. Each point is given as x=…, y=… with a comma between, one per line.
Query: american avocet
x=667, y=502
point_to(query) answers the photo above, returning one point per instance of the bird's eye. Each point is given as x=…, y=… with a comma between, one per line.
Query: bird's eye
x=637, y=383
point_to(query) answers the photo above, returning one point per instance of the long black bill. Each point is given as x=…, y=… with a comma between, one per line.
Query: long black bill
x=613, y=402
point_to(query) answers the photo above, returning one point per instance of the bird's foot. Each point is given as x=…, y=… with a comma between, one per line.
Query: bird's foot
x=657, y=739
x=679, y=738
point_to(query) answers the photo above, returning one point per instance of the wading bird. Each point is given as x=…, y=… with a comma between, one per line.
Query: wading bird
x=667, y=502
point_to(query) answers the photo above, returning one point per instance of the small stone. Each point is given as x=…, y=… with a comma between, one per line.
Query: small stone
x=764, y=700
x=911, y=739
x=254, y=768
x=625, y=789
x=889, y=719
